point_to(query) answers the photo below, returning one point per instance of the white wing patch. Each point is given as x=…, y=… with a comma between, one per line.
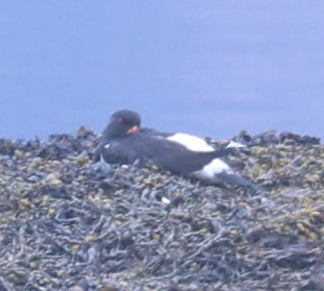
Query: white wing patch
x=215, y=167
x=198, y=144
x=191, y=142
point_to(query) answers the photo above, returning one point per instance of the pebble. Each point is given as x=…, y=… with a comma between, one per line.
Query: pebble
x=51, y=179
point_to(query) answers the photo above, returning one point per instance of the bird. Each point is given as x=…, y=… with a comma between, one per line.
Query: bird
x=124, y=144
x=124, y=141
x=133, y=120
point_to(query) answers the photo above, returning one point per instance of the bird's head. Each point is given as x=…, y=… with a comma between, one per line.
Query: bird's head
x=123, y=122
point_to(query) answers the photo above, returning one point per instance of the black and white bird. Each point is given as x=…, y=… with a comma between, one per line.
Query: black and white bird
x=124, y=142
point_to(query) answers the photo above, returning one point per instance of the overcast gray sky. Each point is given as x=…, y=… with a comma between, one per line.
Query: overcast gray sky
x=206, y=67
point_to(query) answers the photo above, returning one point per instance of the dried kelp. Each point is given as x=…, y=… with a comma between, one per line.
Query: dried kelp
x=69, y=224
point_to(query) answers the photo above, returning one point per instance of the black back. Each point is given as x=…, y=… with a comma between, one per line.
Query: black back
x=166, y=154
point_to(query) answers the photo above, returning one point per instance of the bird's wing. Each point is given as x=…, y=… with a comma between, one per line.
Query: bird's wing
x=154, y=132
x=166, y=154
x=185, y=162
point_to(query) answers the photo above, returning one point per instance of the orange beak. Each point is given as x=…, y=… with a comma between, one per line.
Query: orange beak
x=133, y=129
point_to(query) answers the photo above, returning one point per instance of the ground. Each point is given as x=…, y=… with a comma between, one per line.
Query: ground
x=69, y=224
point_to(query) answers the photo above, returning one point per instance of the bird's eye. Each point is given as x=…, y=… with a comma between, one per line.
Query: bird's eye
x=121, y=120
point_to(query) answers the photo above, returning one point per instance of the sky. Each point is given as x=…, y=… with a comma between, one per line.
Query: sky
x=206, y=67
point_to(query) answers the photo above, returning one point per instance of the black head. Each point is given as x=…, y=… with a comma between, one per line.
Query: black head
x=127, y=117
x=123, y=122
